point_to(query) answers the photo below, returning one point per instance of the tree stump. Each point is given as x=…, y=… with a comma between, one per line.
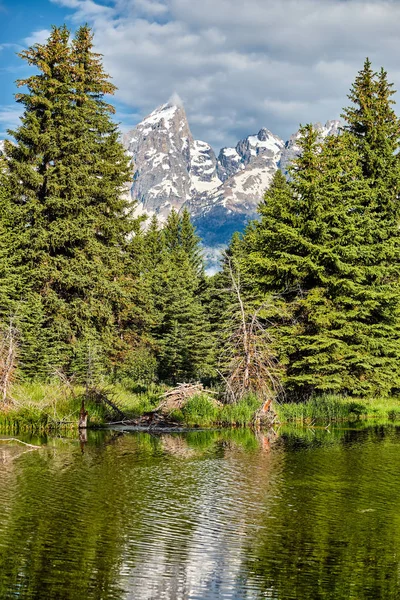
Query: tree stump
x=83, y=416
x=265, y=416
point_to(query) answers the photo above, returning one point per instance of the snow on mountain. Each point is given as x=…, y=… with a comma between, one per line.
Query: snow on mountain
x=246, y=171
x=172, y=169
x=160, y=149
x=259, y=155
x=203, y=168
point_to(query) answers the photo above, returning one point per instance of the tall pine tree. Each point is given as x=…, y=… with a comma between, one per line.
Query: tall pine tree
x=67, y=170
x=328, y=253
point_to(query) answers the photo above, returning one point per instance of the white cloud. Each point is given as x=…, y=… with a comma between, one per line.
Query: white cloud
x=86, y=9
x=150, y=7
x=37, y=37
x=241, y=65
x=9, y=118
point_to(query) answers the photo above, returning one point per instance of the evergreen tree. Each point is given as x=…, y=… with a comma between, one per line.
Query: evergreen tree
x=7, y=282
x=67, y=171
x=320, y=250
x=183, y=335
x=154, y=245
x=180, y=327
x=375, y=131
x=323, y=341
x=172, y=232
x=375, y=128
x=190, y=243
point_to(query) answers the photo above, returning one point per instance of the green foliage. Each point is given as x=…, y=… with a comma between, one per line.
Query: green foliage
x=200, y=410
x=88, y=364
x=67, y=223
x=139, y=366
x=326, y=254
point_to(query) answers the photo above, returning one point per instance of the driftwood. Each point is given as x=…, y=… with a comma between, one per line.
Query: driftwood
x=102, y=397
x=177, y=398
x=155, y=420
x=20, y=442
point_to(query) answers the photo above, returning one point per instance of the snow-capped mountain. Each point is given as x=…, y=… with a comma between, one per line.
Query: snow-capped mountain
x=160, y=149
x=172, y=169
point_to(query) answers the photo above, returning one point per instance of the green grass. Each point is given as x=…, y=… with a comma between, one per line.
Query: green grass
x=48, y=407
x=200, y=410
x=240, y=414
x=330, y=408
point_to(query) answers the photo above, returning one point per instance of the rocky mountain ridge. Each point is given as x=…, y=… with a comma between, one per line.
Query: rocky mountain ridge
x=173, y=170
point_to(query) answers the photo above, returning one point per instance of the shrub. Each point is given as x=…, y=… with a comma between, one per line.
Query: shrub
x=241, y=413
x=200, y=410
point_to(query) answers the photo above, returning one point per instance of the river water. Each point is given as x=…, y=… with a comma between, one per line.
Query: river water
x=302, y=514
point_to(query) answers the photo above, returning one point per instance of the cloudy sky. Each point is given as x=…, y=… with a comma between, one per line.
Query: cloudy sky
x=238, y=65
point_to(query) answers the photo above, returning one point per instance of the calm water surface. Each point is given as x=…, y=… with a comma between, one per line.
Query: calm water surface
x=302, y=514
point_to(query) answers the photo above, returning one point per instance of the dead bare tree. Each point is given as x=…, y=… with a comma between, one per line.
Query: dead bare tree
x=8, y=359
x=248, y=362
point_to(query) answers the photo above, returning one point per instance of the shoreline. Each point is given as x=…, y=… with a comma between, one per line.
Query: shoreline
x=51, y=408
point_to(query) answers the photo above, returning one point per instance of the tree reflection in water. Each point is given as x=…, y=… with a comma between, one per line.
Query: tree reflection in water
x=207, y=514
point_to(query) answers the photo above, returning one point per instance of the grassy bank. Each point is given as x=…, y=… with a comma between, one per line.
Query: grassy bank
x=45, y=407
x=51, y=407
x=325, y=409
x=330, y=408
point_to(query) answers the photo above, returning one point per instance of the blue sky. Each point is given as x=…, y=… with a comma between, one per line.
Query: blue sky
x=19, y=19
x=237, y=65
x=22, y=23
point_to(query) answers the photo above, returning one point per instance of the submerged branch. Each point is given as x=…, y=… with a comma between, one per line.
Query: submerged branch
x=20, y=442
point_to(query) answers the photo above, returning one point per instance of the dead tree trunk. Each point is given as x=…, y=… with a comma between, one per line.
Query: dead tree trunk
x=8, y=360
x=248, y=362
x=83, y=416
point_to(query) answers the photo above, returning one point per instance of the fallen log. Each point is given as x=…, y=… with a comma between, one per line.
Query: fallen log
x=20, y=442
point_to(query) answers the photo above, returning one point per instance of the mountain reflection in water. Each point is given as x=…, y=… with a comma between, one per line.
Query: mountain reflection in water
x=202, y=515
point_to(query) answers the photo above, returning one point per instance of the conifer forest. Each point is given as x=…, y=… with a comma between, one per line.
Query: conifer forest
x=95, y=299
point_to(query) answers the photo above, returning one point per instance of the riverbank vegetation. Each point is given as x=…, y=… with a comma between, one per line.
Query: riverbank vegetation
x=40, y=407
x=96, y=302
x=50, y=407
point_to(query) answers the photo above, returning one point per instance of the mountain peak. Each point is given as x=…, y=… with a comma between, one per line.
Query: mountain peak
x=173, y=170
x=264, y=134
x=166, y=112
x=160, y=147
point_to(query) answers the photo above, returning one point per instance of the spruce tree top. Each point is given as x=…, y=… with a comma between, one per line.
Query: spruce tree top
x=375, y=128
